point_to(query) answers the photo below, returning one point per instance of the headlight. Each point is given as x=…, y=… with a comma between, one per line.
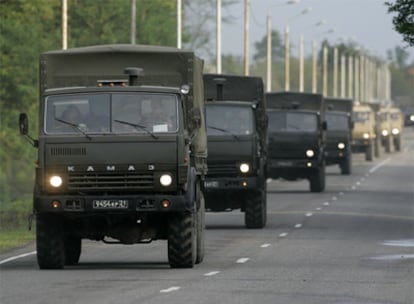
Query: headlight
x=395, y=131
x=412, y=117
x=244, y=168
x=165, y=180
x=55, y=181
x=310, y=153
x=384, y=132
x=365, y=135
x=341, y=145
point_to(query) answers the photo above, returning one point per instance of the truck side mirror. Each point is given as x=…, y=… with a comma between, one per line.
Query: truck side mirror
x=23, y=124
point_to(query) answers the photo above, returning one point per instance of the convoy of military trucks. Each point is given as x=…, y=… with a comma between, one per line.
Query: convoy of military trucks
x=135, y=144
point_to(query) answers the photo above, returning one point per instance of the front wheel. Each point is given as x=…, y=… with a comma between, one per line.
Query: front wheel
x=201, y=223
x=346, y=165
x=73, y=248
x=317, y=179
x=50, y=243
x=255, y=214
x=182, y=240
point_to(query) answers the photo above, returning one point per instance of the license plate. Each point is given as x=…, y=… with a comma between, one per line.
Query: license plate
x=211, y=184
x=110, y=204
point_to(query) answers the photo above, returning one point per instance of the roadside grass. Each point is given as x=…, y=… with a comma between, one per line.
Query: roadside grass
x=14, y=230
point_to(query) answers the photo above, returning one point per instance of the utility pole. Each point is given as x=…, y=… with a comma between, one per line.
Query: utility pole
x=246, y=36
x=314, y=67
x=287, y=60
x=64, y=24
x=179, y=23
x=335, y=73
x=133, y=20
x=269, y=55
x=325, y=71
x=218, y=37
x=301, y=64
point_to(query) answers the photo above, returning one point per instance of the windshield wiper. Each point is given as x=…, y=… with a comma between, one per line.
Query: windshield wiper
x=137, y=126
x=75, y=126
x=224, y=131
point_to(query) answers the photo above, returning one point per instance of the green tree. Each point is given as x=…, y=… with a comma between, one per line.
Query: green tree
x=278, y=50
x=404, y=20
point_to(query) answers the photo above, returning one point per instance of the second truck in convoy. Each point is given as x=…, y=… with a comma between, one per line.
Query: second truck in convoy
x=236, y=128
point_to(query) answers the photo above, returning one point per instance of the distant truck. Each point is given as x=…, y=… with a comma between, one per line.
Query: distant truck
x=364, y=135
x=297, y=137
x=386, y=132
x=237, y=133
x=339, y=133
x=122, y=151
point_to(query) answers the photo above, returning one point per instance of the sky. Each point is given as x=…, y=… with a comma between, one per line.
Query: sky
x=365, y=22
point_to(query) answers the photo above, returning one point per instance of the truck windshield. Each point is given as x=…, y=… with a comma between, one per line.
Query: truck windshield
x=292, y=122
x=111, y=113
x=233, y=120
x=337, y=122
x=361, y=117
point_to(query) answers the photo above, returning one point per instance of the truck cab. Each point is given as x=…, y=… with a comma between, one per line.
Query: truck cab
x=296, y=147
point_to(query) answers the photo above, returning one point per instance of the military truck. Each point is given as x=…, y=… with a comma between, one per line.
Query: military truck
x=236, y=132
x=385, y=126
x=297, y=137
x=122, y=151
x=364, y=134
x=339, y=133
x=397, y=126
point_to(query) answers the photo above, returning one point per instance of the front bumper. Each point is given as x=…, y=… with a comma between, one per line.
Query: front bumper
x=212, y=184
x=111, y=204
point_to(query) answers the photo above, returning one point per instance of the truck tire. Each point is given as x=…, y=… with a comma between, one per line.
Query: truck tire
x=346, y=165
x=377, y=148
x=369, y=151
x=73, y=248
x=317, y=179
x=50, y=242
x=201, y=224
x=255, y=214
x=397, y=143
x=182, y=240
x=388, y=144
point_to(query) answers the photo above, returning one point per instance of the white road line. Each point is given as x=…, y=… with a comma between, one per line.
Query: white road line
x=297, y=226
x=334, y=198
x=358, y=183
x=326, y=204
x=264, y=245
x=172, y=288
x=211, y=273
x=353, y=187
x=341, y=193
x=284, y=234
x=242, y=260
x=309, y=214
x=373, y=169
x=17, y=257
x=319, y=209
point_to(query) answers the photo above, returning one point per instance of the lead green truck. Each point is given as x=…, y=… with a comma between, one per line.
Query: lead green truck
x=122, y=151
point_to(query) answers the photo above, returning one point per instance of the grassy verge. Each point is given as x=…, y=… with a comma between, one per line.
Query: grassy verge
x=13, y=238
x=14, y=224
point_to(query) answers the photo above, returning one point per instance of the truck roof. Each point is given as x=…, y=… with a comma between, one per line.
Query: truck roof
x=84, y=66
x=295, y=101
x=339, y=104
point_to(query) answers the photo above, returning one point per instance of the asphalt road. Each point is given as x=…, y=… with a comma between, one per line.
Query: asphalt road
x=354, y=243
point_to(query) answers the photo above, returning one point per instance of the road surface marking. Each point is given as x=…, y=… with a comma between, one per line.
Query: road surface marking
x=318, y=209
x=284, y=234
x=309, y=214
x=17, y=257
x=172, y=288
x=212, y=273
x=353, y=187
x=265, y=245
x=400, y=243
x=297, y=226
x=334, y=198
x=341, y=193
x=380, y=165
x=242, y=260
x=326, y=204
x=358, y=183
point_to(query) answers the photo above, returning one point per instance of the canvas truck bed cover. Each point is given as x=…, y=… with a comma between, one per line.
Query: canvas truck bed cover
x=339, y=104
x=294, y=100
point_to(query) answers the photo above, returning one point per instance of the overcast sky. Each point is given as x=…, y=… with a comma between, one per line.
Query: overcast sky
x=364, y=21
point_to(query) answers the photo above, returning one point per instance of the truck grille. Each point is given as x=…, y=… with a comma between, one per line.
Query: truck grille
x=110, y=181
x=226, y=169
